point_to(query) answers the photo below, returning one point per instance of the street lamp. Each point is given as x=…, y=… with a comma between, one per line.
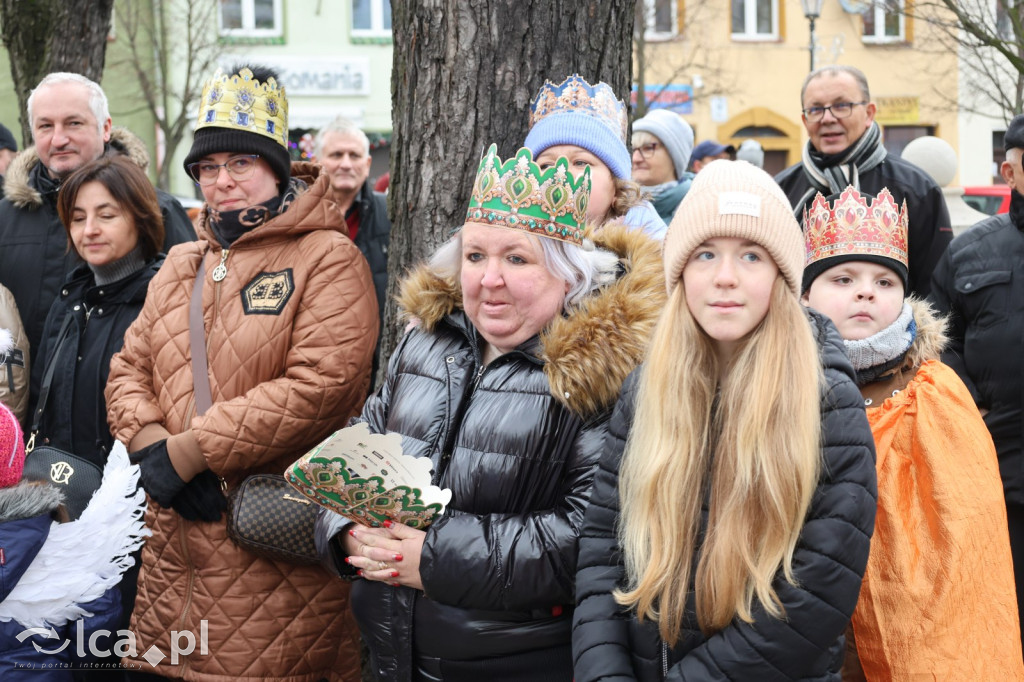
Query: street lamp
x=812, y=10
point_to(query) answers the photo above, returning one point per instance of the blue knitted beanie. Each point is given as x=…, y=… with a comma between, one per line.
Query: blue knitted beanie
x=583, y=115
x=584, y=131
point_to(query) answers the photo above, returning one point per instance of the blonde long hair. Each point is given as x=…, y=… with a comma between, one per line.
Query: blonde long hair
x=749, y=446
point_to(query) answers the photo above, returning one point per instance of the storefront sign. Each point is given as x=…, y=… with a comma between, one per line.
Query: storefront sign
x=677, y=98
x=337, y=77
x=898, y=110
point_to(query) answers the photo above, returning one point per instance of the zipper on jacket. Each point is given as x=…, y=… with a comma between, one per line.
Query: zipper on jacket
x=453, y=432
x=664, y=660
x=221, y=271
x=188, y=592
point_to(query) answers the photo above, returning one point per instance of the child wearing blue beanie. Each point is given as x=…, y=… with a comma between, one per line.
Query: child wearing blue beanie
x=587, y=124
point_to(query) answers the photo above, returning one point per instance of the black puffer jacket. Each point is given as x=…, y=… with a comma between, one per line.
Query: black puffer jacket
x=75, y=414
x=373, y=237
x=372, y=240
x=610, y=644
x=979, y=284
x=35, y=259
x=516, y=442
x=928, y=231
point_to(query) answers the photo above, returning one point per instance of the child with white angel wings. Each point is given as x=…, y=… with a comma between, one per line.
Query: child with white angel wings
x=58, y=581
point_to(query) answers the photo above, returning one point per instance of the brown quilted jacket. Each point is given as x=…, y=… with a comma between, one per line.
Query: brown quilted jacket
x=290, y=333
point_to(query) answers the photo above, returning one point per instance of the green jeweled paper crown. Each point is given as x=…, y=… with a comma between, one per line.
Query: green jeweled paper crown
x=240, y=102
x=517, y=194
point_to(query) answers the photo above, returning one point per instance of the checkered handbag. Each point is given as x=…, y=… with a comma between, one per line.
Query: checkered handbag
x=265, y=517
x=269, y=519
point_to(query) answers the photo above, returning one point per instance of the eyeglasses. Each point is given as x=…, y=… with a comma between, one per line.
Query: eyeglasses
x=839, y=110
x=239, y=167
x=646, y=150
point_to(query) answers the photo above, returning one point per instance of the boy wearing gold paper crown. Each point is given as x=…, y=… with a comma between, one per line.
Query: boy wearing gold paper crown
x=937, y=600
x=254, y=343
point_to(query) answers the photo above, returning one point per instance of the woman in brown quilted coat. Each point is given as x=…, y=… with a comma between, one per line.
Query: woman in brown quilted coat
x=289, y=321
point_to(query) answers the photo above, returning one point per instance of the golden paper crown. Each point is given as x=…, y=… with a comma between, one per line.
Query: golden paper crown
x=856, y=226
x=519, y=195
x=240, y=102
x=576, y=96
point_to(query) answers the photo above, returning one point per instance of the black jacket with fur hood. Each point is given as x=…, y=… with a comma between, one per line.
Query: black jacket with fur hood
x=516, y=441
x=36, y=256
x=609, y=643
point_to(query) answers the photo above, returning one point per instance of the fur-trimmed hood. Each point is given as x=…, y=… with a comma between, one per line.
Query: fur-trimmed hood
x=588, y=353
x=27, y=499
x=18, y=184
x=931, y=336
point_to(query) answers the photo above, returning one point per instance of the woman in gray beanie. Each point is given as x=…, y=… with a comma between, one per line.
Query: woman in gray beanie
x=662, y=142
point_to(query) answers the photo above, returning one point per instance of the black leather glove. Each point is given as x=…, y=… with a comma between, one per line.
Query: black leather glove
x=157, y=474
x=201, y=499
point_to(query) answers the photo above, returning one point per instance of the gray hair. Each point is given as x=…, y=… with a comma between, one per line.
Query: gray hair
x=341, y=126
x=97, y=98
x=586, y=268
x=834, y=70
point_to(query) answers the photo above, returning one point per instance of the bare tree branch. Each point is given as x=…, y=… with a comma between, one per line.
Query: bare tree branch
x=989, y=39
x=151, y=30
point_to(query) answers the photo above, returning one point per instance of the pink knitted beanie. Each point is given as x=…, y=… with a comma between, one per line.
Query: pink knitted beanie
x=12, y=448
x=735, y=199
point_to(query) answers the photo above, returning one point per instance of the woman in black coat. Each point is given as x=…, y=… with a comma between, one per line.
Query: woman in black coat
x=732, y=511
x=113, y=221
x=506, y=384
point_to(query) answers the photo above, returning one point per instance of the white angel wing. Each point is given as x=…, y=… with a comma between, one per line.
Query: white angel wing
x=81, y=560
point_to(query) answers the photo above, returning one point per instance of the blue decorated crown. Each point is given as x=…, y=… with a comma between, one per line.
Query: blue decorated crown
x=576, y=96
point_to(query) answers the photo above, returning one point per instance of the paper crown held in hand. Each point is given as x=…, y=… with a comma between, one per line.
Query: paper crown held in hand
x=365, y=477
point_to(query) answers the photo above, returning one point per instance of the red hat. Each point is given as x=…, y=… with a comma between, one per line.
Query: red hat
x=12, y=448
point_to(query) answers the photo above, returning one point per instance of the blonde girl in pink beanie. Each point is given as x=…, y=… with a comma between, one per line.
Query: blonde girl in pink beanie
x=731, y=515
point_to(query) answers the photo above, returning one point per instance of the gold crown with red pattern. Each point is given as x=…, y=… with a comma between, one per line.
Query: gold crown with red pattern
x=855, y=227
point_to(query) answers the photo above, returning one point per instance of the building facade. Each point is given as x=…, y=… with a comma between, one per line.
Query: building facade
x=734, y=70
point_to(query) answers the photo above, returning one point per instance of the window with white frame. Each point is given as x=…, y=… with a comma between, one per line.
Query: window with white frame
x=755, y=19
x=884, y=22
x=371, y=18
x=251, y=18
x=661, y=18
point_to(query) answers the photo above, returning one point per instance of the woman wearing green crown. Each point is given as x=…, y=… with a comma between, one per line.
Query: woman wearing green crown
x=526, y=331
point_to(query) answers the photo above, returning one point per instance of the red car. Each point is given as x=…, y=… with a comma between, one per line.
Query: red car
x=989, y=199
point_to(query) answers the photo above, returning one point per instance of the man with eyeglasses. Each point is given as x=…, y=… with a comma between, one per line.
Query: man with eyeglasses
x=845, y=148
x=71, y=126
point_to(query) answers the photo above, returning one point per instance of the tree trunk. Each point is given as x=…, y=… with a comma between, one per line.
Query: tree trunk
x=464, y=74
x=53, y=35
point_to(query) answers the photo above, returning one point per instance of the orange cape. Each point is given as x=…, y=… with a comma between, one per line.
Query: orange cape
x=938, y=597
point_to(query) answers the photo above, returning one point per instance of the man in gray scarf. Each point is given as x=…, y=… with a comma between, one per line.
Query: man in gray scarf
x=845, y=148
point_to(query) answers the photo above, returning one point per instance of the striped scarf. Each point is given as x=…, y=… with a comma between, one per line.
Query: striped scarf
x=832, y=174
